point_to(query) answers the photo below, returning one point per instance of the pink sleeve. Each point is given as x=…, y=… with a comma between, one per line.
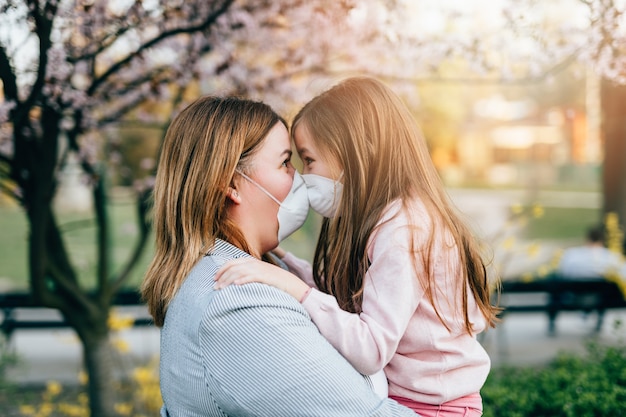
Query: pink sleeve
x=392, y=292
x=299, y=267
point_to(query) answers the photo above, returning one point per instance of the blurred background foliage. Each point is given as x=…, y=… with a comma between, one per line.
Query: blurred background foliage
x=456, y=121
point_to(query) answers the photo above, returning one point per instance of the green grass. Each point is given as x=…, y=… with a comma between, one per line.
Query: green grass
x=79, y=231
x=13, y=235
x=563, y=223
x=80, y=238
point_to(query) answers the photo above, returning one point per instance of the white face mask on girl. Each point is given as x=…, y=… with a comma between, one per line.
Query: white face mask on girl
x=292, y=212
x=324, y=194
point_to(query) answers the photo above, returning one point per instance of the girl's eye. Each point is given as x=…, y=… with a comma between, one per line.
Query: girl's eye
x=308, y=161
x=286, y=163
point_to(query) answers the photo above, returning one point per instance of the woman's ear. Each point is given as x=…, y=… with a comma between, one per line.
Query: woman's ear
x=233, y=195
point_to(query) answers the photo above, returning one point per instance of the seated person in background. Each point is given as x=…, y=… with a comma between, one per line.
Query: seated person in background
x=591, y=260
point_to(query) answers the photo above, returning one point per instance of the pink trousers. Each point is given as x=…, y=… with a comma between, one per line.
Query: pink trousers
x=468, y=406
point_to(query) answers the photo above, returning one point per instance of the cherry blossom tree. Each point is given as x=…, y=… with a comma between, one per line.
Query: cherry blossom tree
x=71, y=70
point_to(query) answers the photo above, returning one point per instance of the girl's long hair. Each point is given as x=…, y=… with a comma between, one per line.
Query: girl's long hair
x=367, y=128
x=203, y=146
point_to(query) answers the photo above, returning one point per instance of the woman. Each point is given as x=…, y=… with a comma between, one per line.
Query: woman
x=398, y=281
x=225, y=189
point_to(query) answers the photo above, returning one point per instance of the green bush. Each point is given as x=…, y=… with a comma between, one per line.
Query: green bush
x=570, y=386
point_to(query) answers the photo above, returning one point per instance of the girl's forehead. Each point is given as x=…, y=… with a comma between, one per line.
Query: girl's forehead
x=303, y=139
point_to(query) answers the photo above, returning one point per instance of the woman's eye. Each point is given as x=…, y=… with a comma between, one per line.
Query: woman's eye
x=308, y=161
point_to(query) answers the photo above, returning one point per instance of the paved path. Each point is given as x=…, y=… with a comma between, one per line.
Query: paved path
x=522, y=339
x=46, y=355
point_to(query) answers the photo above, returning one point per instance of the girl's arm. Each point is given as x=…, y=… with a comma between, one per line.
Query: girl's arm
x=299, y=267
x=392, y=292
x=246, y=270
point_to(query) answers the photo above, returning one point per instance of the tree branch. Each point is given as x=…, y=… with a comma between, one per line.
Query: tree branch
x=145, y=226
x=102, y=45
x=158, y=75
x=482, y=81
x=121, y=112
x=210, y=19
x=55, y=300
x=43, y=27
x=103, y=240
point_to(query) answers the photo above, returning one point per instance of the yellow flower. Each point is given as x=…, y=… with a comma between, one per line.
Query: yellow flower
x=72, y=410
x=556, y=258
x=543, y=270
x=614, y=234
x=45, y=409
x=143, y=375
x=527, y=277
x=508, y=243
x=53, y=388
x=533, y=249
x=538, y=211
x=517, y=209
x=121, y=345
x=117, y=323
x=148, y=391
x=123, y=409
x=83, y=378
x=27, y=410
x=611, y=219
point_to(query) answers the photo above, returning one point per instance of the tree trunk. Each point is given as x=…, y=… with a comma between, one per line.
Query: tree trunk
x=53, y=284
x=98, y=355
x=613, y=98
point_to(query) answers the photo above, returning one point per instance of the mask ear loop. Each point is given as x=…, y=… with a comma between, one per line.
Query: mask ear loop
x=260, y=187
x=340, y=179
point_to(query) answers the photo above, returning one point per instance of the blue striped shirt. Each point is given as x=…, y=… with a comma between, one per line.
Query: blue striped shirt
x=252, y=350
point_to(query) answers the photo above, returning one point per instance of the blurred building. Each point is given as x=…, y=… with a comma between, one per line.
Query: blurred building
x=516, y=143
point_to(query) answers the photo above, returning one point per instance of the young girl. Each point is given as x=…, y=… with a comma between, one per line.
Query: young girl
x=397, y=281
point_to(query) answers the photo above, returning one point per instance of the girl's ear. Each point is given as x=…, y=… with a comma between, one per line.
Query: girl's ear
x=233, y=195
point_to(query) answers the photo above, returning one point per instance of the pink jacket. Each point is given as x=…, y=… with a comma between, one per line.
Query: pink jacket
x=398, y=329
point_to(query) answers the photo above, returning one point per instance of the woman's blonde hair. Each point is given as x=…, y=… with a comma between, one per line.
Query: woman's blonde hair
x=367, y=128
x=203, y=147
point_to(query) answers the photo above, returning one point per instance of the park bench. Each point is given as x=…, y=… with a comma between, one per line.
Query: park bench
x=19, y=311
x=555, y=293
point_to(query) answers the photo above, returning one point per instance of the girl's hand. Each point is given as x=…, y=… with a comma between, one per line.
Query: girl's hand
x=245, y=270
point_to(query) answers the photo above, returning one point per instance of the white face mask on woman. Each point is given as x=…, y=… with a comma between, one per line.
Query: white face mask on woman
x=324, y=194
x=292, y=212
